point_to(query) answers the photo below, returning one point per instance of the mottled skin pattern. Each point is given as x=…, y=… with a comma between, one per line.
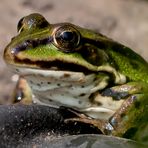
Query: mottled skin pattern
x=78, y=68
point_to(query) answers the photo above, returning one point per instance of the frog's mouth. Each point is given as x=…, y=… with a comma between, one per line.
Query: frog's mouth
x=56, y=65
x=63, y=65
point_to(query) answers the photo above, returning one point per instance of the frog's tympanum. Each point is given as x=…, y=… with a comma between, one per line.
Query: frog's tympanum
x=66, y=65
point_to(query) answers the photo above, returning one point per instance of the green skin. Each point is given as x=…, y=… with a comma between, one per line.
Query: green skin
x=83, y=48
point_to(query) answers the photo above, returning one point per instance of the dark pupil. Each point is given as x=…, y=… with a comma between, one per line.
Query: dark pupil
x=67, y=36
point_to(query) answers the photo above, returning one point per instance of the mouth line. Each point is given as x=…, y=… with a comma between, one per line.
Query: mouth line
x=54, y=65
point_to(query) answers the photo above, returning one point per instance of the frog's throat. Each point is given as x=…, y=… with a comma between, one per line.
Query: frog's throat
x=71, y=89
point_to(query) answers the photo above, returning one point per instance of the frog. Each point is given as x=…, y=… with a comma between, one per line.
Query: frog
x=102, y=81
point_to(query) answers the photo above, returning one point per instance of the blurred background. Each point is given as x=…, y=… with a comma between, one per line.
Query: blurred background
x=126, y=21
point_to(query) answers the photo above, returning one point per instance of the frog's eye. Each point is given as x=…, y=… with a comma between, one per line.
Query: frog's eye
x=67, y=38
x=32, y=21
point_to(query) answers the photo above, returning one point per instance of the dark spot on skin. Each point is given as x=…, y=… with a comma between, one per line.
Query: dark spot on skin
x=134, y=64
x=137, y=104
x=31, y=81
x=48, y=82
x=82, y=86
x=34, y=44
x=98, y=103
x=17, y=70
x=41, y=82
x=130, y=132
x=95, y=79
x=38, y=84
x=66, y=75
x=116, y=95
x=92, y=96
x=107, y=92
x=80, y=102
x=58, y=84
x=83, y=94
x=103, y=113
x=50, y=100
x=122, y=115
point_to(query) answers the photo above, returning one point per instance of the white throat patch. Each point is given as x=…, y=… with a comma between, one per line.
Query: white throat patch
x=71, y=89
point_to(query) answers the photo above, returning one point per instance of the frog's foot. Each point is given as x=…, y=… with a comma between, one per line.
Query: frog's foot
x=93, y=122
x=22, y=93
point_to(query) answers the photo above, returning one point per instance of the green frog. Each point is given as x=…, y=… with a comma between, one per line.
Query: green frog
x=104, y=82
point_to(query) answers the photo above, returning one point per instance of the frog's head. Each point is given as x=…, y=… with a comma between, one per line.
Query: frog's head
x=62, y=46
x=66, y=60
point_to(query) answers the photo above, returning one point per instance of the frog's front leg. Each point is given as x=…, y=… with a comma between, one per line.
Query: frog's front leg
x=22, y=93
x=131, y=119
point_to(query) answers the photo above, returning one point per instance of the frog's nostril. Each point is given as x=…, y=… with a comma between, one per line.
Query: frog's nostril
x=19, y=48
